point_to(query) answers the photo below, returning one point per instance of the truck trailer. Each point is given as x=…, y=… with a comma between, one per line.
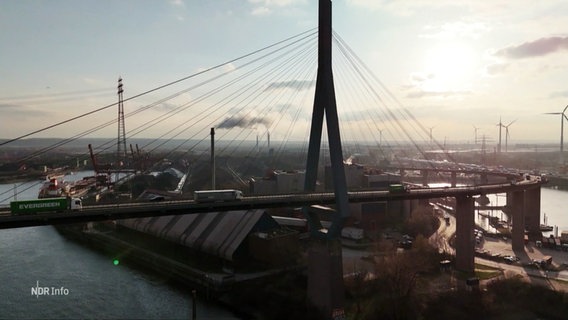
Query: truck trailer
x=217, y=195
x=45, y=205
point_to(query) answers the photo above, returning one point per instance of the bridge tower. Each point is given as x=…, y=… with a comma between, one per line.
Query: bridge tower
x=325, y=272
x=121, y=151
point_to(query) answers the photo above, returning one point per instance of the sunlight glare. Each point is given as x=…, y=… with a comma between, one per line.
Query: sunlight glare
x=451, y=67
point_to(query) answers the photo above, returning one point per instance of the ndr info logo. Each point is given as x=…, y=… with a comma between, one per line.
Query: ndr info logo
x=48, y=291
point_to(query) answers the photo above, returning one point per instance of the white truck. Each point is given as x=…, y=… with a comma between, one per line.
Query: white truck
x=217, y=195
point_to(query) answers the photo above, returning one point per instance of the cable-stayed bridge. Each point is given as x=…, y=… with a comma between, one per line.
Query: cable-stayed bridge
x=262, y=101
x=175, y=207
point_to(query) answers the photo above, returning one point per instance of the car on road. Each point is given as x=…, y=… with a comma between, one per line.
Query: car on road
x=405, y=244
x=510, y=259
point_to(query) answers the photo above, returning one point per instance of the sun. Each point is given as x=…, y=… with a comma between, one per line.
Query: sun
x=450, y=68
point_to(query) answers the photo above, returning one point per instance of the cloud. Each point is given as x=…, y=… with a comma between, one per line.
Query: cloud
x=266, y=7
x=420, y=77
x=8, y=107
x=178, y=3
x=559, y=94
x=537, y=48
x=443, y=94
x=370, y=4
x=276, y=3
x=455, y=30
x=294, y=85
x=417, y=7
x=243, y=121
x=406, y=7
x=360, y=115
x=20, y=111
x=496, y=68
x=260, y=11
x=165, y=107
x=291, y=111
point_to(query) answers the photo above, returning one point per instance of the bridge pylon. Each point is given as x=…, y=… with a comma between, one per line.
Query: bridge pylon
x=325, y=268
x=324, y=103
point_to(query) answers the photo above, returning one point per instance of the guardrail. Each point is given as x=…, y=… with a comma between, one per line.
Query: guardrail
x=163, y=208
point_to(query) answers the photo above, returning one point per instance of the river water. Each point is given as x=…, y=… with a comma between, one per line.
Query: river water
x=553, y=205
x=82, y=283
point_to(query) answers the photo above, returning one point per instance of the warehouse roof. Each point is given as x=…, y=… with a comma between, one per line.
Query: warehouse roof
x=216, y=233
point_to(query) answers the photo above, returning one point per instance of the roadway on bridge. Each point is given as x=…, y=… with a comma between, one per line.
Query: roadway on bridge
x=154, y=209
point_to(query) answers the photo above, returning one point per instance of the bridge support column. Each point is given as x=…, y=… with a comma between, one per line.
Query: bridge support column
x=532, y=211
x=465, y=240
x=483, y=179
x=454, y=179
x=420, y=202
x=425, y=177
x=508, y=209
x=325, y=277
x=517, y=205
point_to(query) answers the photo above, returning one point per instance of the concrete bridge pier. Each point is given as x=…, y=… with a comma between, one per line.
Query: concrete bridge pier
x=465, y=238
x=532, y=211
x=516, y=203
x=483, y=179
x=454, y=179
x=325, y=277
x=425, y=176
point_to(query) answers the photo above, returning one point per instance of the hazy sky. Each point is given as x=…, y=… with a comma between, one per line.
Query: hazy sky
x=454, y=64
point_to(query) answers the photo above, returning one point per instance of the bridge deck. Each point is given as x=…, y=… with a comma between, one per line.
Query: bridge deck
x=150, y=209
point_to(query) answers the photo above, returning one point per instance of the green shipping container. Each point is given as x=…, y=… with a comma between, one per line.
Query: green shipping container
x=397, y=188
x=39, y=205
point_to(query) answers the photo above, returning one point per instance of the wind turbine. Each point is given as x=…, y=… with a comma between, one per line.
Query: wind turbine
x=500, y=125
x=483, y=150
x=475, y=133
x=507, y=133
x=562, y=117
x=431, y=139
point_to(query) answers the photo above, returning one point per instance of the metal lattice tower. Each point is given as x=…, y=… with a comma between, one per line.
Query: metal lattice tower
x=121, y=142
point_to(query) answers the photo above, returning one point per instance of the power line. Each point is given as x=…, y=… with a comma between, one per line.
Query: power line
x=146, y=92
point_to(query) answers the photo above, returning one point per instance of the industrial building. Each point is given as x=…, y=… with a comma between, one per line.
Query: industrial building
x=278, y=181
x=225, y=235
x=369, y=216
x=361, y=177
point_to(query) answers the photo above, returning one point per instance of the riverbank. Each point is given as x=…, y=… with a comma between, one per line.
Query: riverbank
x=214, y=280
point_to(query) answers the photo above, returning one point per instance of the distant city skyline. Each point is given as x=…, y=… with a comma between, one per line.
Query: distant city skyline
x=455, y=65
